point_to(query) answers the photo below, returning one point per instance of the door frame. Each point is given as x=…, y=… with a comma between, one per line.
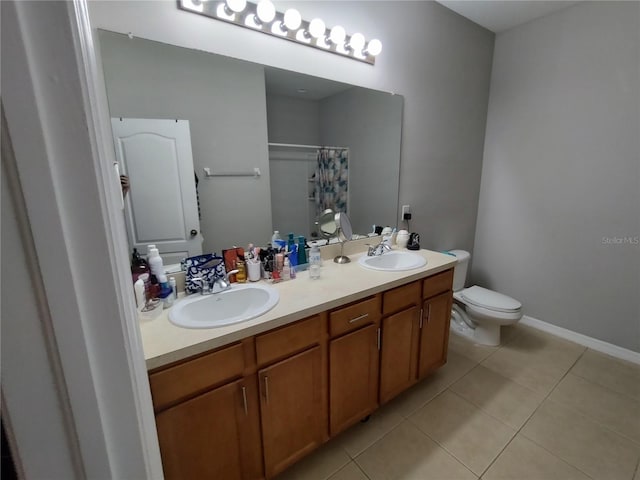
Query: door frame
x=58, y=121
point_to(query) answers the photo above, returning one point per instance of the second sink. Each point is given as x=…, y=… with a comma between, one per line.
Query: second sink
x=393, y=261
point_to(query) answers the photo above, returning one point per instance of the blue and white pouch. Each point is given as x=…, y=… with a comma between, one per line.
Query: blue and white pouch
x=196, y=267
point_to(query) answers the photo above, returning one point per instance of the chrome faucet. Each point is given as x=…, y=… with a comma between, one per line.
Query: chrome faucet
x=377, y=250
x=219, y=284
x=222, y=283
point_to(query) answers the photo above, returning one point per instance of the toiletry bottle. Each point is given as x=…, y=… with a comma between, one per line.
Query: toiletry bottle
x=174, y=290
x=302, y=254
x=279, y=262
x=138, y=265
x=274, y=238
x=138, y=288
x=290, y=242
x=241, y=276
x=155, y=262
x=286, y=270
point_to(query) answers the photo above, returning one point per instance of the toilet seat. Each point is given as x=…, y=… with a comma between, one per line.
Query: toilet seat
x=485, y=299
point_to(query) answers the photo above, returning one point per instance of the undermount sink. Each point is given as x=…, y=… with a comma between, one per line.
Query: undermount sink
x=238, y=304
x=393, y=261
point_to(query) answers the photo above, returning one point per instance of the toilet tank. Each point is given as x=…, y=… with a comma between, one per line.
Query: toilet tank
x=460, y=270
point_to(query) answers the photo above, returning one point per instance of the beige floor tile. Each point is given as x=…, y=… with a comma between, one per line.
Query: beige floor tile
x=618, y=375
x=500, y=397
x=407, y=454
x=319, y=465
x=469, y=434
x=349, y=472
x=637, y=475
x=364, y=434
x=466, y=347
x=614, y=410
x=535, y=360
x=418, y=395
x=524, y=460
x=591, y=448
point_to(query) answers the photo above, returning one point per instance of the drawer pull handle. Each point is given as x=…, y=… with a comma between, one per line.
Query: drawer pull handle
x=266, y=388
x=360, y=317
x=244, y=401
x=379, y=339
x=421, y=316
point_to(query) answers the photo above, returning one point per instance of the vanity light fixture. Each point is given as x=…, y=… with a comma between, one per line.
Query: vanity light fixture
x=263, y=16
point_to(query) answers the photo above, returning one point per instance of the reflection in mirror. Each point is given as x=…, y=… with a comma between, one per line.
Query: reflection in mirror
x=327, y=223
x=244, y=116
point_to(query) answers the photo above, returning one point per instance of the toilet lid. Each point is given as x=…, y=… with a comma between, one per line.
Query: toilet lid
x=489, y=299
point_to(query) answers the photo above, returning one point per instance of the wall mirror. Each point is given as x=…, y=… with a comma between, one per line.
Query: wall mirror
x=246, y=118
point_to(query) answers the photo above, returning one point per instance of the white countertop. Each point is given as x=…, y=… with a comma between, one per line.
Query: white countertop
x=164, y=343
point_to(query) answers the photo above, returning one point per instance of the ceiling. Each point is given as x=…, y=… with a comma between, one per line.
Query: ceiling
x=501, y=15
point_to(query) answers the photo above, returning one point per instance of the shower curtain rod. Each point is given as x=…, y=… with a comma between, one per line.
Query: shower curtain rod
x=311, y=147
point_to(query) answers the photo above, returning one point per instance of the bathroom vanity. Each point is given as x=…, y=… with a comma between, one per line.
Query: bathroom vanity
x=246, y=401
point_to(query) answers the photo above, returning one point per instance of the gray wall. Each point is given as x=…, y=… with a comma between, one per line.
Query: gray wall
x=293, y=120
x=151, y=80
x=559, y=213
x=437, y=60
x=373, y=138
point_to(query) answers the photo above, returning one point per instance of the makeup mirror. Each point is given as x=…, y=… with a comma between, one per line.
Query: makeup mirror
x=344, y=233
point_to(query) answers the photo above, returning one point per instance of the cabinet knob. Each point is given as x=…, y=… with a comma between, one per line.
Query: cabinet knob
x=193, y=232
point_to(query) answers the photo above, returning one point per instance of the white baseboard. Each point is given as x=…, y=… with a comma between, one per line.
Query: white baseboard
x=592, y=343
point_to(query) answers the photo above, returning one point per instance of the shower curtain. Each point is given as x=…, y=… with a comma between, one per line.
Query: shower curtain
x=332, y=180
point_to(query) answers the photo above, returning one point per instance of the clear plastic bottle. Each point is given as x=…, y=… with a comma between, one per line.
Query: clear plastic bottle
x=315, y=261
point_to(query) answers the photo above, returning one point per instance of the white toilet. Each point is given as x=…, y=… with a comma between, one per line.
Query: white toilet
x=478, y=313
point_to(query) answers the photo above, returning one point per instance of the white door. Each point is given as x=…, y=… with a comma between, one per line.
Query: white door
x=161, y=207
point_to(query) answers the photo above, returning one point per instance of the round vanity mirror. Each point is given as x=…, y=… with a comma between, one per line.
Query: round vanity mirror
x=327, y=223
x=344, y=233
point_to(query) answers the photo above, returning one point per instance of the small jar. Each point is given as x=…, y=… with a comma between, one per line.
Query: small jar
x=241, y=276
x=402, y=239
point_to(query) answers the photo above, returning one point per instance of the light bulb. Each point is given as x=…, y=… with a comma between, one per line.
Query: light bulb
x=266, y=11
x=317, y=28
x=236, y=6
x=356, y=43
x=292, y=19
x=337, y=35
x=374, y=47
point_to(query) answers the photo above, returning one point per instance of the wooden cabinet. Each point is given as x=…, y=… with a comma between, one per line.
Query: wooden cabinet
x=353, y=377
x=207, y=416
x=436, y=316
x=434, y=336
x=251, y=409
x=293, y=391
x=353, y=362
x=399, y=351
x=292, y=404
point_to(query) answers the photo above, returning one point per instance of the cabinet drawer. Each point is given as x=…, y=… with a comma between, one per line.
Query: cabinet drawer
x=354, y=316
x=288, y=340
x=401, y=297
x=437, y=284
x=181, y=381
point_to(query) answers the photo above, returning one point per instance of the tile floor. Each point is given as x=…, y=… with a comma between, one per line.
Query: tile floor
x=538, y=407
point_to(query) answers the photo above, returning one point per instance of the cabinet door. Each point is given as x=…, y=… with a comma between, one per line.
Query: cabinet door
x=399, y=354
x=353, y=377
x=214, y=435
x=291, y=403
x=434, y=335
